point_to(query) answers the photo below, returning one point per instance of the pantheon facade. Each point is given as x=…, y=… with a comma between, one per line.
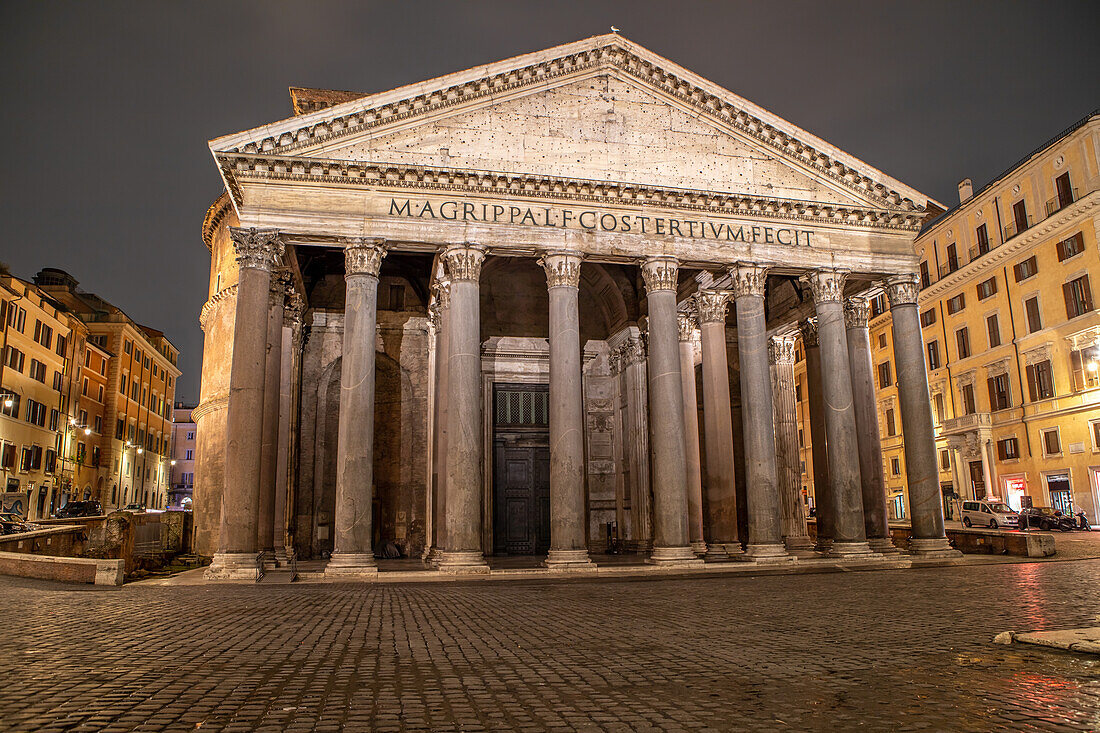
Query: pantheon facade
x=544, y=307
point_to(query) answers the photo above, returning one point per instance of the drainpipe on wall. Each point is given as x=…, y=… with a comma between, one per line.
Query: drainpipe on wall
x=1019, y=372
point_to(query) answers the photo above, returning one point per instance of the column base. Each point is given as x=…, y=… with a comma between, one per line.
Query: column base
x=461, y=562
x=771, y=554
x=720, y=551
x=822, y=546
x=431, y=556
x=799, y=546
x=699, y=548
x=235, y=566
x=282, y=558
x=852, y=551
x=267, y=559
x=681, y=557
x=883, y=545
x=570, y=561
x=349, y=565
x=933, y=548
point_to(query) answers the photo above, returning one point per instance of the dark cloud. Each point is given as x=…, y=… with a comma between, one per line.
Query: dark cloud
x=108, y=106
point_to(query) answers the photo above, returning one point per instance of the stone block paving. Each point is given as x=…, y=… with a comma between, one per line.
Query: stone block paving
x=906, y=650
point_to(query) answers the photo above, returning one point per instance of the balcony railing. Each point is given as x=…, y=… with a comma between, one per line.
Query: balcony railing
x=1015, y=227
x=1062, y=200
x=965, y=423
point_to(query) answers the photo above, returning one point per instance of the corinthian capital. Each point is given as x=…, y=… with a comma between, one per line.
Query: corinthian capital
x=685, y=322
x=808, y=327
x=711, y=305
x=660, y=273
x=441, y=293
x=856, y=312
x=363, y=256
x=256, y=248
x=902, y=290
x=748, y=279
x=827, y=285
x=280, y=284
x=563, y=269
x=295, y=307
x=463, y=261
x=781, y=349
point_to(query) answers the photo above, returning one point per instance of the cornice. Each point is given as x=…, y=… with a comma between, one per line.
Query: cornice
x=212, y=405
x=996, y=257
x=215, y=215
x=237, y=167
x=613, y=54
x=209, y=305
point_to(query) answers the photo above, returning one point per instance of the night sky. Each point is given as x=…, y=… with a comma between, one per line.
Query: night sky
x=108, y=106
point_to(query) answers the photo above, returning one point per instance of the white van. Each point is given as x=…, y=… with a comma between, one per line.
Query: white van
x=992, y=514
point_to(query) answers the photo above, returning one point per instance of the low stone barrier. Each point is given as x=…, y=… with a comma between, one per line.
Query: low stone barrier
x=976, y=541
x=62, y=569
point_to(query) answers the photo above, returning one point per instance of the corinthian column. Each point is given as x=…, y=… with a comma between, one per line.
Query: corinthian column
x=353, y=551
x=721, y=512
x=269, y=454
x=925, y=499
x=823, y=503
x=568, y=550
x=237, y=556
x=686, y=323
x=849, y=536
x=765, y=533
x=284, y=466
x=462, y=551
x=441, y=289
x=788, y=463
x=873, y=483
x=666, y=423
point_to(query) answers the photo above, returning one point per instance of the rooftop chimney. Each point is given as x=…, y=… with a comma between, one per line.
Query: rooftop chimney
x=966, y=190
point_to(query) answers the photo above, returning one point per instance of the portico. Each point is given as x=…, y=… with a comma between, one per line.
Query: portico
x=503, y=288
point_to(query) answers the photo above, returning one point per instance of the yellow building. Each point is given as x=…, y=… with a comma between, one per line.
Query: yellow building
x=36, y=348
x=1012, y=337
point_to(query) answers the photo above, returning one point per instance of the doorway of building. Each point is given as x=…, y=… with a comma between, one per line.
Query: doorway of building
x=977, y=480
x=521, y=469
x=1061, y=498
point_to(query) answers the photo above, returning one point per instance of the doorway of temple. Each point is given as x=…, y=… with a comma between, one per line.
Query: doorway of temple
x=521, y=469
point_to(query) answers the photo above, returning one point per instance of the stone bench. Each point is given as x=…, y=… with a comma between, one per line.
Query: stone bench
x=62, y=569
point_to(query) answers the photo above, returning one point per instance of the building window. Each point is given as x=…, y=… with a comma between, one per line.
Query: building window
x=998, y=393
x=801, y=439
x=933, y=355
x=945, y=460
x=878, y=305
x=1086, y=367
x=962, y=339
x=987, y=288
x=14, y=359
x=895, y=466
x=1052, y=443
x=36, y=413
x=43, y=334
x=1071, y=247
x=98, y=426
x=189, y=455
x=884, y=376
x=1027, y=268
x=1078, y=297
x=982, y=235
x=882, y=340
x=952, y=258
x=62, y=343
x=12, y=411
x=1040, y=381
x=128, y=347
x=956, y=304
x=925, y=277
x=191, y=435
x=891, y=427
x=17, y=318
x=1064, y=196
x=994, y=330
x=55, y=419
x=1094, y=431
x=928, y=318
x=37, y=371
x=1034, y=318
x=1008, y=449
x=1020, y=220
x=969, y=406
x=938, y=411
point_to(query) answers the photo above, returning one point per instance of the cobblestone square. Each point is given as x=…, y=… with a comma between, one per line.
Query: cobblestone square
x=886, y=650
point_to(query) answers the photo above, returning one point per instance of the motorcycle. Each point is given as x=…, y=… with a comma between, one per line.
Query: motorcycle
x=1083, y=521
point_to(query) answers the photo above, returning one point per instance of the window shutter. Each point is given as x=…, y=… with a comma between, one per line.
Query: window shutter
x=1067, y=295
x=1087, y=291
x=1001, y=452
x=1032, y=383
x=1061, y=250
x=1016, y=272
x=992, y=393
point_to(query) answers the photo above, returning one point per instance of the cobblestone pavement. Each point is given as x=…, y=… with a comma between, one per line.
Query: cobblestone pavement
x=888, y=650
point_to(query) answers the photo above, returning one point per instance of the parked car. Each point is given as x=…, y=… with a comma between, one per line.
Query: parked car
x=12, y=523
x=1046, y=518
x=75, y=509
x=992, y=514
x=138, y=508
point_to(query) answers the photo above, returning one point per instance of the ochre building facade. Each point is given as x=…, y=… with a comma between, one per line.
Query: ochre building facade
x=543, y=306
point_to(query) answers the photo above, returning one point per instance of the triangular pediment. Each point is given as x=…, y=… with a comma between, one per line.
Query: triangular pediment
x=602, y=109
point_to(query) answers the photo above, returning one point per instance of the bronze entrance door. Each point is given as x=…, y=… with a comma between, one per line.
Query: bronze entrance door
x=521, y=470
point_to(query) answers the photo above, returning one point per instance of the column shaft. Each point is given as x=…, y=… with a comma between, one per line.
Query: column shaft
x=237, y=555
x=269, y=447
x=462, y=552
x=765, y=541
x=721, y=486
x=353, y=533
x=666, y=424
x=439, y=456
x=292, y=321
x=872, y=481
x=925, y=499
x=686, y=325
x=849, y=535
x=568, y=550
x=788, y=461
x=819, y=456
